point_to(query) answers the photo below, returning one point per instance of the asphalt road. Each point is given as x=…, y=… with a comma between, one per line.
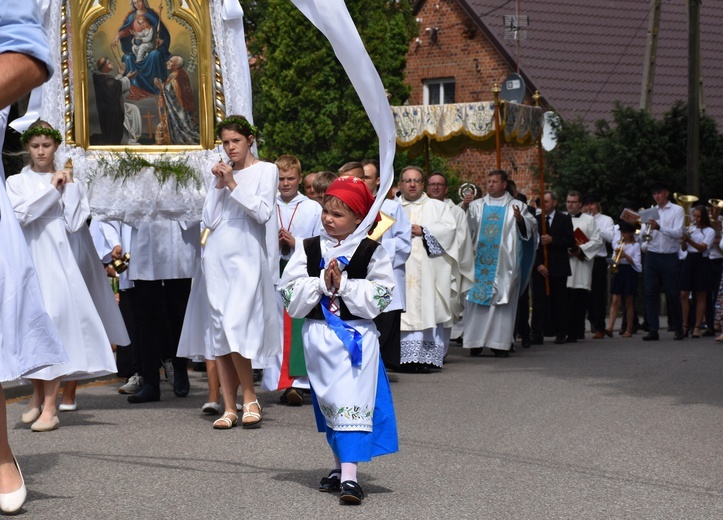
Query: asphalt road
x=609, y=428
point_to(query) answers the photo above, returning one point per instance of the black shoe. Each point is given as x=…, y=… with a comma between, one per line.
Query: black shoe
x=331, y=483
x=292, y=397
x=571, y=339
x=181, y=385
x=651, y=336
x=707, y=333
x=526, y=342
x=258, y=375
x=559, y=340
x=475, y=352
x=500, y=353
x=147, y=394
x=537, y=339
x=351, y=493
x=680, y=335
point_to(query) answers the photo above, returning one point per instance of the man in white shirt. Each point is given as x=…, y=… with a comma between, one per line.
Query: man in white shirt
x=598, y=297
x=661, y=261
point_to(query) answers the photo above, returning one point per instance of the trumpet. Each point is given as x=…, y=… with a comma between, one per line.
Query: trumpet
x=121, y=265
x=647, y=235
x=616, y=259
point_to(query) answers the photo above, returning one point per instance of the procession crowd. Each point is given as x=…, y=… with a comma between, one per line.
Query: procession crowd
x=292, y=290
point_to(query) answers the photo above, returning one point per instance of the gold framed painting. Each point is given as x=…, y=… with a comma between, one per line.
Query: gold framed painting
x=142, y=75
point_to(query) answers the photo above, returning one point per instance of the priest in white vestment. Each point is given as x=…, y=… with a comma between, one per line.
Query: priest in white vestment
x=582, y=256
x=430, y=274
x=499, y=224
x=437, y=188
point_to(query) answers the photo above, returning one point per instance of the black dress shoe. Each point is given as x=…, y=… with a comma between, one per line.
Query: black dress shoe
x=475, y=352
x=332, y=483
x=651, y=336
x=536, y=340
x=351, y=493
x=559, y=340
x=181, y=385
x=679, y=335
x=147, y=394
x=526, y=342
x=500, y=353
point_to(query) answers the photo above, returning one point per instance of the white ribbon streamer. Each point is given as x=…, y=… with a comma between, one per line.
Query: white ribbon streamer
x=332, y=18
x=232, y=9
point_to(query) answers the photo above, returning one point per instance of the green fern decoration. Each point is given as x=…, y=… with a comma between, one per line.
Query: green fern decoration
x=127, y=165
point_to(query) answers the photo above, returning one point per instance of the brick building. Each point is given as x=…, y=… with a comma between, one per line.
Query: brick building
x=581, y=56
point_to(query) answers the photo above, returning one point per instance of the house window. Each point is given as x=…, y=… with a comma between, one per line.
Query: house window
x=439, y=91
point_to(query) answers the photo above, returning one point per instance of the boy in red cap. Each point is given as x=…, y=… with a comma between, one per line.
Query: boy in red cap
x=340, y=281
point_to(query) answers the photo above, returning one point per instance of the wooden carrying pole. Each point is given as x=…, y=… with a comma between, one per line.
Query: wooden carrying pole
x=498, y=144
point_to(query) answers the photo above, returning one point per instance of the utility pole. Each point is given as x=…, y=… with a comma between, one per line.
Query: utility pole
x=693, y=180
x=651, y=56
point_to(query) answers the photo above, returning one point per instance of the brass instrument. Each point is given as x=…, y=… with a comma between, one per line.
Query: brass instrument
x=616, y=259
x=686, y=201
x=646, y=229
x=121, y=265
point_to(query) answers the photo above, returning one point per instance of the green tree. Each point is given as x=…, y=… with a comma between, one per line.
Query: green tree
x=618, y=160
x=304, y=103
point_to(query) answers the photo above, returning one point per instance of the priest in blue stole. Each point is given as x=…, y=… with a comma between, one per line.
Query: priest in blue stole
x=500, y=225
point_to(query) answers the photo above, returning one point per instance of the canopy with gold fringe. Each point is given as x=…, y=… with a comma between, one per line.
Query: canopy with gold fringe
x=453, y=127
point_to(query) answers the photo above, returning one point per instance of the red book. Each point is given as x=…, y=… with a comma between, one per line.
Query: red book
x=580, y=237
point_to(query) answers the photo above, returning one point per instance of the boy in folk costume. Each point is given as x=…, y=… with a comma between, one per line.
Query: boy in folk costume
x=340, y=281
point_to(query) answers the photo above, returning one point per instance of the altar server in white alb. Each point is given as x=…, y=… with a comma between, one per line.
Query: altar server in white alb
x=241, y=315
x=588, y=242
x=340, y=282
x=298, y=218
x=49, y=204
x=499, y=225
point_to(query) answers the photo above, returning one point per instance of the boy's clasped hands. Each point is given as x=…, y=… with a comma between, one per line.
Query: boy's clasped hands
x=332, y=276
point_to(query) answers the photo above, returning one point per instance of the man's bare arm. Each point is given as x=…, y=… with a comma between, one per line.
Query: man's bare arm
x=19, y=74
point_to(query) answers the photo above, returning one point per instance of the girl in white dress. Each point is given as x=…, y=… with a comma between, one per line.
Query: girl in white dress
x=340, y=296
x=232, y=308
x=49, y=205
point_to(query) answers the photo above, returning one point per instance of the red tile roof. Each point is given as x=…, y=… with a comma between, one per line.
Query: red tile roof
x=584, y=55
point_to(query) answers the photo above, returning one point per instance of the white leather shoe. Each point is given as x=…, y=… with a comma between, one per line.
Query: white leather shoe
x=13, y=501
x=68, y=407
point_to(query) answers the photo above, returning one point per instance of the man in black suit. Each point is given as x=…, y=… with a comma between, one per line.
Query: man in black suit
x=558, y=238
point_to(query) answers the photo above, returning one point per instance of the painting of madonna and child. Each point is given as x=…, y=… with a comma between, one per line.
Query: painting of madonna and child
x=144, y=86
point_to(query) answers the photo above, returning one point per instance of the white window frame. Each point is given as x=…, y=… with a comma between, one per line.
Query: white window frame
x=437, y=82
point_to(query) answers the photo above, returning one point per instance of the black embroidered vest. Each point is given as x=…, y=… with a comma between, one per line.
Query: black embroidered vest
x=357, y=268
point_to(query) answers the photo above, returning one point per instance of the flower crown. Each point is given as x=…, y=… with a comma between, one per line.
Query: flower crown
x=242, y=123
x=28, y=134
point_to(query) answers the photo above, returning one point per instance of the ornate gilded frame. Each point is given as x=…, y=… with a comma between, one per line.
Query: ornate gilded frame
x=85, y=16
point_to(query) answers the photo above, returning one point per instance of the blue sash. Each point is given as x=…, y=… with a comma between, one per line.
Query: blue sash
x=488, y=252
x=348, y=335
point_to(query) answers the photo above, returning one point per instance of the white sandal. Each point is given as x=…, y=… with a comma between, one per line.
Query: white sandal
x=227, y=421
x=254, y=415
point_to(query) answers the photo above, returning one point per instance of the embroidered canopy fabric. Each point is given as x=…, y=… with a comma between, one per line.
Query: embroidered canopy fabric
x=453, y=127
